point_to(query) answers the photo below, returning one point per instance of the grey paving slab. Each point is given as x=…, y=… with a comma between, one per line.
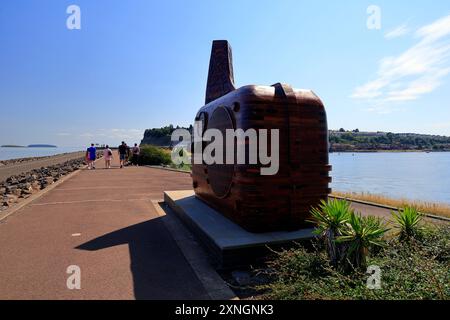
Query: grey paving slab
x=223, y=232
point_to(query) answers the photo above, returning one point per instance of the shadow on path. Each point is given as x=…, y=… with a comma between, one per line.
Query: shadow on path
x=159, y=268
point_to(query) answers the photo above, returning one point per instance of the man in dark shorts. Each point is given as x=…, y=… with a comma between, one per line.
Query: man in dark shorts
x=91, y=155
x=123, y=153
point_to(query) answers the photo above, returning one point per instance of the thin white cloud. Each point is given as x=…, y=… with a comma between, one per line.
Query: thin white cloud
x=397, y=32
x=417, y=71
x=436, y=30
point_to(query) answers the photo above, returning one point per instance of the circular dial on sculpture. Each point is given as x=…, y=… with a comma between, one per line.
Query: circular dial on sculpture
x=221, y=175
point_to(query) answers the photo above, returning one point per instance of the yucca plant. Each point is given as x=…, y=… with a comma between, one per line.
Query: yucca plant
x=330, y=218
x=359, y=235
x=407, y=220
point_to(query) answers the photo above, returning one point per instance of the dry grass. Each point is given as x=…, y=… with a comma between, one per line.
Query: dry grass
x=440, y=209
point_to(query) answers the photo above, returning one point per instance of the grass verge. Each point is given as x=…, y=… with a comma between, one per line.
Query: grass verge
x=440, y=209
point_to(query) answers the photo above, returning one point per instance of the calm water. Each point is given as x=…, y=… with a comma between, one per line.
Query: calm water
x=421, y=176
x=14, y=153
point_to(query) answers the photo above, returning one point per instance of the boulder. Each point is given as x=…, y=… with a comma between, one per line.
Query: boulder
x=27, y=189
x=35, y=185
x=9, y=189
x=17, y=192
x=11, y=198
x=12, y=181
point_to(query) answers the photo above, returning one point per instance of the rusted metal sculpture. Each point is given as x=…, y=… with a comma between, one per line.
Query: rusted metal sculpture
x=261, y=203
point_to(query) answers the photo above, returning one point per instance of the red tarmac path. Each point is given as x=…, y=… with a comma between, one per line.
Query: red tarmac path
x=103, y=221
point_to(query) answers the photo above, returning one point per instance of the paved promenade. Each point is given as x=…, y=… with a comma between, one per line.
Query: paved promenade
x=105, y=222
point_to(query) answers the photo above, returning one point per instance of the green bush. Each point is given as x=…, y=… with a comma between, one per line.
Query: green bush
x=151, y=155
x=348, y=236
x=360, y=235
x=331, y=217
x=407, y=220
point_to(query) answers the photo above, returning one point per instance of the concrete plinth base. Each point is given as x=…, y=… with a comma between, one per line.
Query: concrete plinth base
x=228, y=244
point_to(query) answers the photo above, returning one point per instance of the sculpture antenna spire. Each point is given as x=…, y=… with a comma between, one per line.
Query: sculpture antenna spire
x=220, y=75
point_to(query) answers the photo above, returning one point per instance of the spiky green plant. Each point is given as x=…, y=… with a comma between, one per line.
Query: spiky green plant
x=359, y=235
x=330, y=218
x=407, y=220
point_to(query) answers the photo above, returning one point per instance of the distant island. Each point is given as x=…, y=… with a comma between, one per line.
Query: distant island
x=341, y=140
x=12, y=146
x=29, y=146
x=41, y=146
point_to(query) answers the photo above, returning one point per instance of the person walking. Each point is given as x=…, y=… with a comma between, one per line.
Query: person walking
x=136, y=151
x=123, y=152
x=91, y=155
x=107, y=155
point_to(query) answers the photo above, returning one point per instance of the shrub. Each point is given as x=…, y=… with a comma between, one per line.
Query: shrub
x=151, y=155
x=348, y=236
x=330, y=218
x=407, y=220
x=360, y=234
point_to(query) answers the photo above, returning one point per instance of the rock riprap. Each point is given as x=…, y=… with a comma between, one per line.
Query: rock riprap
x=15, y=188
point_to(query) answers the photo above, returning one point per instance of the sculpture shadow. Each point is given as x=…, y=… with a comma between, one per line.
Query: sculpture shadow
x=159, y=268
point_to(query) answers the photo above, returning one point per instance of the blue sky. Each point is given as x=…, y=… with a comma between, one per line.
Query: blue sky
x=139, y=64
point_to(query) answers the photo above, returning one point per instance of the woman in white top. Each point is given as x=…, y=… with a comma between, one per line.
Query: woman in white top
x=107, y=155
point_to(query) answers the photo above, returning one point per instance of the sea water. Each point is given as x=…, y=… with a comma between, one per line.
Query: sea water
x=411, y=175
x=15, y=153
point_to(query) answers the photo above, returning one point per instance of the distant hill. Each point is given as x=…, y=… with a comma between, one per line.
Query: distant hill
x=341, y=140
x=41, y=146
